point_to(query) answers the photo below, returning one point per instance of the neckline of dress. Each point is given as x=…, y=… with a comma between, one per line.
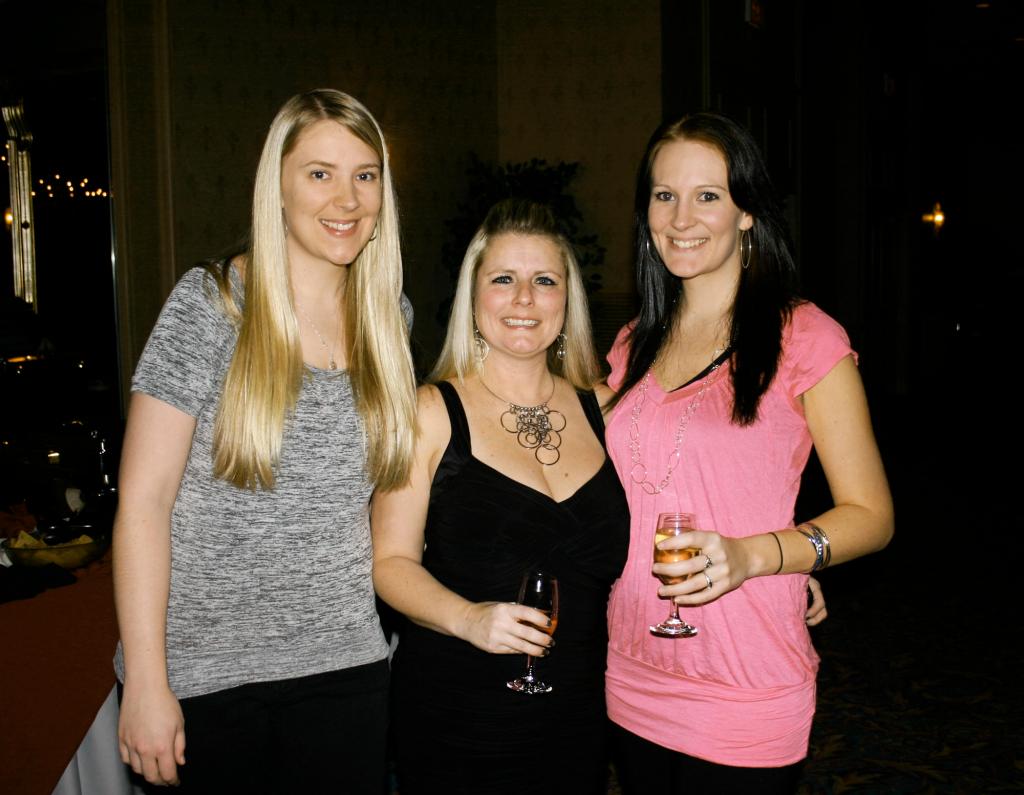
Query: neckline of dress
x=657, y=393
x=509, y=478
x=538, y=492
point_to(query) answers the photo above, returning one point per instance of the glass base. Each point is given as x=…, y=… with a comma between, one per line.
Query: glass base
x=529, y=685
x=673, y=628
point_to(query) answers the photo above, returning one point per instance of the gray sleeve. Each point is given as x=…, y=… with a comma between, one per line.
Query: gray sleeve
x=407, y=312
x=182, y=360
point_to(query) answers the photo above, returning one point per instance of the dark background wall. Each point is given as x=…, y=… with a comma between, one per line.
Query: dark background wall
x=202, y=81
x=194, y=85
x=868, y=113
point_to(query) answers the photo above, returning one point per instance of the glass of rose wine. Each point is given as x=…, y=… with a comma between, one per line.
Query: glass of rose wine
x=673, y=524
x=538, y=590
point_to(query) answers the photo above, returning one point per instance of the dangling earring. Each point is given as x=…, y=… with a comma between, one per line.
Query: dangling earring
x=482, y=348
x=560, y=350
x=746, y=248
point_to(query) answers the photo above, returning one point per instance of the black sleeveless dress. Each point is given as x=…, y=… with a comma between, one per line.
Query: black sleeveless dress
x=458, y=728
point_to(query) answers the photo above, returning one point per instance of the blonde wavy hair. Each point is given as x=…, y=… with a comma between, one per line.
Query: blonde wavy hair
x=519, y=217
x=265, y=375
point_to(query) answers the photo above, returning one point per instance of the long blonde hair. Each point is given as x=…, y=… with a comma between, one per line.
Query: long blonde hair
x=519, y=217
x=265, y=375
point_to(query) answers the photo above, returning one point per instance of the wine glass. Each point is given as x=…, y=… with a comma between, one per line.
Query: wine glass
x=538, y=590
x=673, y=524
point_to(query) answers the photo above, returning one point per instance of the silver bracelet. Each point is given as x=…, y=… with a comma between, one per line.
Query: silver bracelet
x=819, y=540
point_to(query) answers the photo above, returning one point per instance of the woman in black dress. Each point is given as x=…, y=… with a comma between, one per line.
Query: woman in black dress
x=485, y=504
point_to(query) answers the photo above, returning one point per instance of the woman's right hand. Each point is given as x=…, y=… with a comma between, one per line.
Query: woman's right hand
x=816, y=610
x=506, y=628
x=151, y=735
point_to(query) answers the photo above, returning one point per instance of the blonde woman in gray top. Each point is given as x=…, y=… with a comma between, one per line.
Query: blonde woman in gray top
x=275, y=393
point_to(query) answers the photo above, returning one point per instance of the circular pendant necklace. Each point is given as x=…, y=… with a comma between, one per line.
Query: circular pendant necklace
x=538, y=428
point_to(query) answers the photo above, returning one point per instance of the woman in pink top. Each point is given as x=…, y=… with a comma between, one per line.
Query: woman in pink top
x=722, y=385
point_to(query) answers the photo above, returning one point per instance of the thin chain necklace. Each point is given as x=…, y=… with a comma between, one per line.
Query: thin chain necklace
x=537, y=428
x=638, y=472
x=331, y=365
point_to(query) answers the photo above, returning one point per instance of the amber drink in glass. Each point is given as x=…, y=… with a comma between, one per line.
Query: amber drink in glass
x=673, y=524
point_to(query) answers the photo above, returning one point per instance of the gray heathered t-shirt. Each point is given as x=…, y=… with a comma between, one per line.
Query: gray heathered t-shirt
x=267, y=584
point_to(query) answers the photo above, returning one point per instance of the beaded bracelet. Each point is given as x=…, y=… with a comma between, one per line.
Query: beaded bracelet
x=819, y=540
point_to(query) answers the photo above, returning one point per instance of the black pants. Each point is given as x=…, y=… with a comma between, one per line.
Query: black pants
x=644, y=767
x=325, y=733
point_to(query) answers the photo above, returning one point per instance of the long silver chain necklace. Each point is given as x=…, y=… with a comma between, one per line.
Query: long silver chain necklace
x=331, y=365
x=538, y=428
x=638, y=472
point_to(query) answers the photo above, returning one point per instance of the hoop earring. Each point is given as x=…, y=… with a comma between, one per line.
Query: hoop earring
x=560, y=350
x=651, y=254
x=746, y=248
x=482, y=348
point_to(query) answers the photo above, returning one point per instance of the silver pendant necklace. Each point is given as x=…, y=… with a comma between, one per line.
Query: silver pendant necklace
x=638, y=472
x=331, y=365
x=538, y=428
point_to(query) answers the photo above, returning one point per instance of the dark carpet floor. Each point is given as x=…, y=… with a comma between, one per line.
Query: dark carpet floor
x=919, y=689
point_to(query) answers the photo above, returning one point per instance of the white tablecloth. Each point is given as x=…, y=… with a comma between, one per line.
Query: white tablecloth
x=96, y=769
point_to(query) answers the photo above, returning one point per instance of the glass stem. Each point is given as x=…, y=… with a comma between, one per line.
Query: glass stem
x=529, y=668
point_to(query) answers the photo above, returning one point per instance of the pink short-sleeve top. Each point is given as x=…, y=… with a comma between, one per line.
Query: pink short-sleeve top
x=742, y=691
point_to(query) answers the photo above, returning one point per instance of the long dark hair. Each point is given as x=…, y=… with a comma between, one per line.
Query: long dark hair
x=766, y=292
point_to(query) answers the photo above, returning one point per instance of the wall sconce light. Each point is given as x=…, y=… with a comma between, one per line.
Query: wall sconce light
x=936, y=217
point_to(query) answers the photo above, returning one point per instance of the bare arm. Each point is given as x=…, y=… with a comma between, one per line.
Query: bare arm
x=862, y=519
x=398, y=518
x=604, y=394
x=860, y=522
x=156, y=446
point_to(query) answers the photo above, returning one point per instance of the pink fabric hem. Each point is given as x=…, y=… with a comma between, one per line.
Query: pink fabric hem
x=754, y=728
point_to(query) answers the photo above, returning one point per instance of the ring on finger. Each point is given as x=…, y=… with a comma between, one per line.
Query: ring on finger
x=710, y=583
x=710, y=563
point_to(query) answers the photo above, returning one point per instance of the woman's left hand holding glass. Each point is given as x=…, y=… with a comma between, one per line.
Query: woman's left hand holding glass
x=723, y=565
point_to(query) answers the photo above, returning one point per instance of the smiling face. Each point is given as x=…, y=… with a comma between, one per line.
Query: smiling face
x=520, y=294
x=331, y=194
x=694, y=223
